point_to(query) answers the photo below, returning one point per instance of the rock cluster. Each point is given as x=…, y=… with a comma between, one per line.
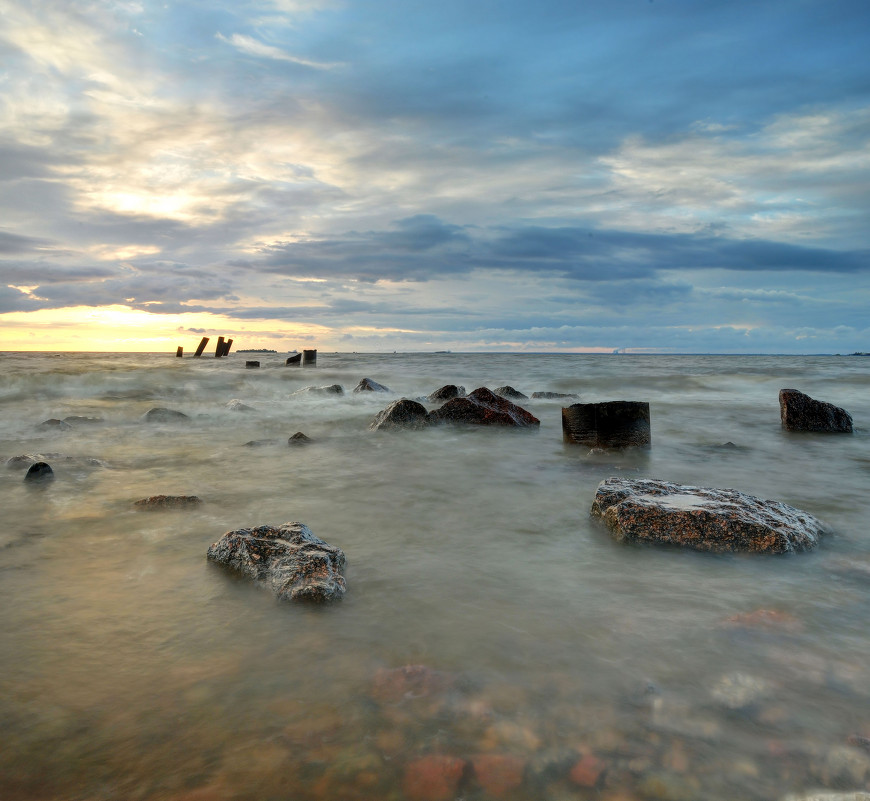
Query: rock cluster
x=800, y=412
x=481, y=407
x=703, y=519
x=289, y=559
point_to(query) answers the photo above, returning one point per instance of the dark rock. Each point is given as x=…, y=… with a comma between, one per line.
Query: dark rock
x=554, y=395
x=367, y=385
x=161, y=415
x=235, y=405
x=78, y=420
x=612, y=424
x=40, y=471
x=446, y=393
x=53, y=425
x=332, y=389
x=294, y=563
x=402, y=413
x=261, y=443
x=299, y=439
x=704, y=519
x=483, y=407
x=800, y=412
x=510, y=392
x=252, y=365
x=168, y=502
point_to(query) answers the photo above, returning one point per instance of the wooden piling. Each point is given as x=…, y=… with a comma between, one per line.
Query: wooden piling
x=202, y=343
x=179, y=351
x=613, y=424
x=294, y=361
x=227, y=345
x=309, y=358
x=219, y=350
x=251, y=365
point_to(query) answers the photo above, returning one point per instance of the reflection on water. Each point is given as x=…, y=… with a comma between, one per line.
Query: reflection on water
x=494, y=641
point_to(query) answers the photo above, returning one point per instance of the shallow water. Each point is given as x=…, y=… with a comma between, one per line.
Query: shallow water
x=131, y=667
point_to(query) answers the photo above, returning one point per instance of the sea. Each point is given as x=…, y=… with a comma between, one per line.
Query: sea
x=494, y=641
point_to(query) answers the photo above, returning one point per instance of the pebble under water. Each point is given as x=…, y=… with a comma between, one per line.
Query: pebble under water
x=494, y=641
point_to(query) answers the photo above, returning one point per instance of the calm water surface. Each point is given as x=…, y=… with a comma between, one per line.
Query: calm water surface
x=131, y=667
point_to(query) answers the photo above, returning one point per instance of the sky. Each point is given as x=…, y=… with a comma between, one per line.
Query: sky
x=380, y=175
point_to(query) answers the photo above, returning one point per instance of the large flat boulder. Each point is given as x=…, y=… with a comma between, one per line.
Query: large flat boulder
x=483, y=407
x=289, y=559
x=703, y=519
x=800, y=412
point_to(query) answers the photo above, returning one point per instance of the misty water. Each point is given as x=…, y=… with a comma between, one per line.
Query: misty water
x=131, y=667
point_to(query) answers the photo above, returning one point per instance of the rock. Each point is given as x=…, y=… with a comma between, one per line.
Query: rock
x=260, y=443
x=402, y=413
x=554, y=395
x=498, y=774
x=739, y=691
x=587, y=771
x=168, y=502
x=410, y=681
x=483, y=407
x=800, y=412
x=510, y=392
x=39, y=471
x=53, y=425
x=161, y=415
x=844, y=766
x=294, y=563
x=612, y=424
x=78, y=420
x=299, y=439
x=252, y=365
x=704, y=519
x=859, y=741
x=772, y=619
x=367, y=385
x=235, y=405
x=433, y=778
x=27, y=459
x=446, y=393
x=332, y=389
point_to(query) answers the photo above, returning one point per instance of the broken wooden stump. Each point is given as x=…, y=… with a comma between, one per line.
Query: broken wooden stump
x=227, y=345
x=309, y=358
x=251, y=365
x=179, y=351
x=219, y=350
x=202, y=343
x=611, y=424
x=294, y=361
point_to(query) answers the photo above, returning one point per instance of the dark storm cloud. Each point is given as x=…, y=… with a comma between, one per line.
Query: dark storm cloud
x=15, y=243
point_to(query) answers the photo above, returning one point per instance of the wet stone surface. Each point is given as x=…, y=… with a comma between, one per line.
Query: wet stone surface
x=800, y=412
x=168, y=502
x=706, y=519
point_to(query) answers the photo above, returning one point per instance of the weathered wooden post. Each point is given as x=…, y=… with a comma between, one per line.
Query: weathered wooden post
x=227, y=345
x=294, y=361
x=612, y=424
x=219, y=350
x=178, y=352
x=309, y=358
x=251, y=365
x=202, y=343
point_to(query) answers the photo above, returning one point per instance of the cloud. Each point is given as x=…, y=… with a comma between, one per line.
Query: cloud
x=254, y=47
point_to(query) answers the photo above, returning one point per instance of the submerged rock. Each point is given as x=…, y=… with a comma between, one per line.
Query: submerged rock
x=402, y=413
x=294, y=563
x=53, y=425
x=612, y=424
x=433, y=778
x=483, y=407
x=332, y=389
x=510, y=392
x=39, y=471
x=27, y=459
x=554, y=395
x=78, y=420
x=739, y=691
x=299, y=439
x=391, y=685
x=162, y=415
x=800, y=412
x=446, y=393
x=824, y=795
x=701, y=518
x=167, y=502
x=235, y=405
x=367, y=385
x=260, y=443
x=498, y=774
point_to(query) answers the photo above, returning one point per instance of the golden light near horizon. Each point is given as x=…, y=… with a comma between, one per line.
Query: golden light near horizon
x=122, y=329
